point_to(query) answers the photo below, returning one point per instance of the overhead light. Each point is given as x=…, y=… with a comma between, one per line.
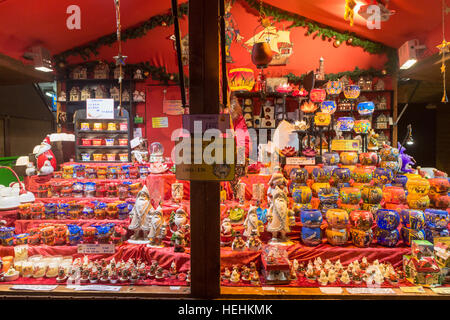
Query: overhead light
x=410, y=141
x=407, y=53
x=50, y=94
x=408, y=64
x=41, y=57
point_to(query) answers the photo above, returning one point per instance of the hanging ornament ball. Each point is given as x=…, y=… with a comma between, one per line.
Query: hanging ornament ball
x=171, y=77
x=61, y=65
x=350, y=40
x=164, y=24
x=383, y=72
x=146, y=73
x=337, y=43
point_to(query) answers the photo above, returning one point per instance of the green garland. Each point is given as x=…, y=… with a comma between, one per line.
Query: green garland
x=138, y=31
x=149, y=71
x=326, y=32
x=322, y=30
x=354, y=75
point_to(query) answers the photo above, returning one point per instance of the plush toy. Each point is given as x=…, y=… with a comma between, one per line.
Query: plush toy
x=405, y=160
x=44, y=154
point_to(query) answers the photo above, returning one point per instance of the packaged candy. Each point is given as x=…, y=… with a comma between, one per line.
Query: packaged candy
x=89, y=189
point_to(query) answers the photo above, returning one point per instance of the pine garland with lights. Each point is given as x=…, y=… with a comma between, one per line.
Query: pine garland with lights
x=149, y=71
x=138, y=31
x=354, y=75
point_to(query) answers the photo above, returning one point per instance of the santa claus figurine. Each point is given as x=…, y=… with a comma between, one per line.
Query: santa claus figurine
x=44, y=154
x=276, y=180
x=226, y=232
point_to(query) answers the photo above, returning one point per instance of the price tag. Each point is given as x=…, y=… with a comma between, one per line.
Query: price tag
x=442, y=290
x=268, y=288
x=97, y=288
x=96, y=248
x=417, y=289
x=370, y=291
x=296, y=161
x=33, y=287
x=331, y=290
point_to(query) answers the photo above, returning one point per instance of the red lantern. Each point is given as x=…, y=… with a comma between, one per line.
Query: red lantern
x=317, y=95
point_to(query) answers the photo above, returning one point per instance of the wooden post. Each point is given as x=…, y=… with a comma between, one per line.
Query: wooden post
x=394, y=103
x=205, y=196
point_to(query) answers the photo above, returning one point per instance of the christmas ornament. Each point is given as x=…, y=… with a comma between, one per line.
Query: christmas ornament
x=349, y=11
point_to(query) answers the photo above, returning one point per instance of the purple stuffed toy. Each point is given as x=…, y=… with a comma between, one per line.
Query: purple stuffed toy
x=405, y=160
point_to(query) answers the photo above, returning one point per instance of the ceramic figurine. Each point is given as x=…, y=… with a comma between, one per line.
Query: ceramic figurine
x=238, y=243
x=140, y=214
x=235, y=276
x=226, y=274
x=276, y=180
x=62, y=96
x=226, y=232
x=178, y=220
x=138, y=75
x=62, y=277
x=279, y=217
x=405, y=160
x=101, y=71
x=310, y=274
x=332, y=276
x=159, y=275
x=373, y=141
x=173, y=268
x=75, y=94
x=157, y=228
x=254, y=278
x=253, y=242
x=252, y=223
x=323, y=279
x=338, y=265
x=345, y=278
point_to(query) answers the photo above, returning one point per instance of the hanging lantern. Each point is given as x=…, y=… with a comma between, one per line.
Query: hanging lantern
x=366, y=108
x=345, y=123
x=261, y=54
x=317, y=95
x=352, y=91
x=334, y=87
x=241, y=79
x=328, y=106
x=308, y=107
x=362, y=126
x=322, y=119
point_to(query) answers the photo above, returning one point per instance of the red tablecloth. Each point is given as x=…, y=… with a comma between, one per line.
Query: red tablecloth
x=9, y=216
x=164, y=256
x=325, y=251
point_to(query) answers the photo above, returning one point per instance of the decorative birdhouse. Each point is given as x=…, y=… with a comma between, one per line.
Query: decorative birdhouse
x=62, y=96
x=138, y=74
x=85, y=93
x=100, y=92
x=380, y=85
x=361, y=82
x=368, y=83
x=382, y=122
x=117, y=73
x=381, y=103
x=75, y=94
x=344, y=81
x=114, y=93
x=101, y=71
x=79, y=73
x=125, y=95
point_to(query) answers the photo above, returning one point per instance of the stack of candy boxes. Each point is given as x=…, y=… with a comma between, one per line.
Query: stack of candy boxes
x=54, y=234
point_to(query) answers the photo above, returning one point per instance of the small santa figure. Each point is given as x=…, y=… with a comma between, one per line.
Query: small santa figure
x=156, y=226
x=226, y=232
x=44, y=154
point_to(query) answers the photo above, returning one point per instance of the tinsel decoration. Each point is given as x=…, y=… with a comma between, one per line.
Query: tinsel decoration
x=444, y=49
